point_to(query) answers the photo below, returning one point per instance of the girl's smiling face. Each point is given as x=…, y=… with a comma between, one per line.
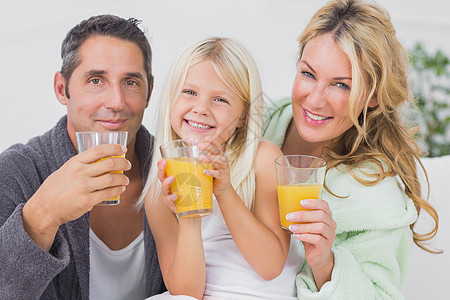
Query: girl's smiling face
x=321, y=91
x=206, y=106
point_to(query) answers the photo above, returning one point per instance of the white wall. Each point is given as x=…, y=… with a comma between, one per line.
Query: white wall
x=428, y=276
x=31, y=33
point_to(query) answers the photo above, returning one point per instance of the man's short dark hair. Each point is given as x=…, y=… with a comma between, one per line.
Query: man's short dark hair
x=103, y=25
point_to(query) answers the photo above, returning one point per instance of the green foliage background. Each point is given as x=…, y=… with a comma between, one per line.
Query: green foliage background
x=431, y=87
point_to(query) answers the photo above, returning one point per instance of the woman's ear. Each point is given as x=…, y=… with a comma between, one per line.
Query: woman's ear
x=240, y=123
x=373, y=102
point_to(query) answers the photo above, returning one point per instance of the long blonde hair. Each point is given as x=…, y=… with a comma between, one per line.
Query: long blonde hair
x=237, y=69
x=379, y=69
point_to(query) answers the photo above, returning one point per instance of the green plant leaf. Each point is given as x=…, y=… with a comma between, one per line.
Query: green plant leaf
x=429, y=88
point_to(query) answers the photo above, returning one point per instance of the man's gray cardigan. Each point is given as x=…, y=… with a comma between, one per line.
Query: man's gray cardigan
x=26, y=270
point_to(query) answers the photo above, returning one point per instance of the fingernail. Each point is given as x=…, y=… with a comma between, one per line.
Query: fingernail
x=208, y=139
x=304, y=202
x=290, y=216
x=124, y=149
x=293, y=227
x=298, y=236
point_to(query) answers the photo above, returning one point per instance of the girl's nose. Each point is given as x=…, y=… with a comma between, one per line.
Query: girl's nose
x=201, y=107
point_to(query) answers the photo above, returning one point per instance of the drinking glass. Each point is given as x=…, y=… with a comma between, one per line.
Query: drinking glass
x=299, y=177
x=194, y=189
x=90, y=139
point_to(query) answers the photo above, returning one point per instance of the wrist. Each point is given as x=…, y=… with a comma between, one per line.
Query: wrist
x=190, y=222
x=39, y=225
x=322, y=272
x=225, y=193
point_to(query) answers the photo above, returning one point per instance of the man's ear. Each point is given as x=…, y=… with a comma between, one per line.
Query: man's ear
x=373, y=102
x=59, y=85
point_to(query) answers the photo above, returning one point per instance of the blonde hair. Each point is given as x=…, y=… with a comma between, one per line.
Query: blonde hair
x=237, y=69
x=379, y=69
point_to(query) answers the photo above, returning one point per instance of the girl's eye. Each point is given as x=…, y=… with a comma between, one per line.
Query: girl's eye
x=221, y=100
x=342, y=86
x=190, y=92
x=95, y=81
x=308, y=74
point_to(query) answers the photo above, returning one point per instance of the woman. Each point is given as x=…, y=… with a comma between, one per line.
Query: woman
x=351, y=80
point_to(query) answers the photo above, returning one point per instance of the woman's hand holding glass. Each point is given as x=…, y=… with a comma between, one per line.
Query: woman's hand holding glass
x=317, y=232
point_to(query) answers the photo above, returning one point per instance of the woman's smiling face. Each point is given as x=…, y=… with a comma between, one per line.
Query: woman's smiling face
x=321, y=91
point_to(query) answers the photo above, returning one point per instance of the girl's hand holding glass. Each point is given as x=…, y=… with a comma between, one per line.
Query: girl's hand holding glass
x=166, y=194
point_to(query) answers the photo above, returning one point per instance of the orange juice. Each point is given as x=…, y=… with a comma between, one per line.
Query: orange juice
x=289, y=197
x=116, y=199
x=194, y=189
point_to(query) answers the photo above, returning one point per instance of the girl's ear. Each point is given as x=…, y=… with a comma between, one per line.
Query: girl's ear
x=242, y=120
x=243, y=117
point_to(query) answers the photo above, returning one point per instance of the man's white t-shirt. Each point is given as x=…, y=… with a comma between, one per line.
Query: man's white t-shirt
x=116, y=274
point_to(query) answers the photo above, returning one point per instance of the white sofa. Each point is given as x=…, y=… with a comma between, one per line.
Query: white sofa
x=428, y=274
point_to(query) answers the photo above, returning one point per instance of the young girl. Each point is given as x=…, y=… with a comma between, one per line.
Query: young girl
x=240, y=251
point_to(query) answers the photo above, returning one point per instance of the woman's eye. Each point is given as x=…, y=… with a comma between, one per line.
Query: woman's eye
x=342, y=86
x=308, y=74
x=190, y=92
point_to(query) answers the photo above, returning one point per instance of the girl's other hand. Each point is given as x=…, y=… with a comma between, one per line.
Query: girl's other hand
x=220, y=169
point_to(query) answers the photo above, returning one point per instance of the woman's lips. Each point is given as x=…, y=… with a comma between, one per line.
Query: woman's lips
x=315, y=119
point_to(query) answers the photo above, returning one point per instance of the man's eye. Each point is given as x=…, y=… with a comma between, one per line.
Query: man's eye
x=95, y=81
x=131, y=83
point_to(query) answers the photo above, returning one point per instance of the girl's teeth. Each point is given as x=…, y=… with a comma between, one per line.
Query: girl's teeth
x=314, y=117
x=199, y=126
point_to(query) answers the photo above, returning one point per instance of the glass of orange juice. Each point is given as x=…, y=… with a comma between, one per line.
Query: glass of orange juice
x=299, y=177
x=194, y=189
x=90, y=139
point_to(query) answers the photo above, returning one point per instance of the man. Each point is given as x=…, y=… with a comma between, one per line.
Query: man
x=54, y=242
